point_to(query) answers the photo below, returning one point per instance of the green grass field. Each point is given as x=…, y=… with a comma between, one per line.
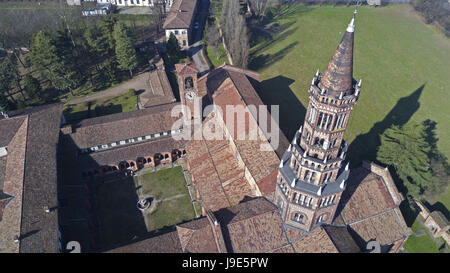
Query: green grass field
x=216, y=59
x=124, y=103
x=402, y=61
x=422, y=244
x=119, y=219
x=164, y=185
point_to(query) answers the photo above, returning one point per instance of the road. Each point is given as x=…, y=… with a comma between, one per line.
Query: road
x=195, y=50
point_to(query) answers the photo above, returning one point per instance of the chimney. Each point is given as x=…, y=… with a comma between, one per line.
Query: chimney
x=46, y=209
x=16, y=239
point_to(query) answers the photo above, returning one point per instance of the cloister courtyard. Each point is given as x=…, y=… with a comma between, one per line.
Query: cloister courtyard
x=115, y=204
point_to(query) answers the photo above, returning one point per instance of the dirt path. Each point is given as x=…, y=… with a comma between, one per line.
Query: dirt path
x=171, y=198
x=139, y=82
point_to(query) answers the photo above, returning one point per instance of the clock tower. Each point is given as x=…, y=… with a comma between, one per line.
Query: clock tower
x=189, y=95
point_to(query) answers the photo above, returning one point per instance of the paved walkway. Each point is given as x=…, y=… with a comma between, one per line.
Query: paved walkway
x=138, y=82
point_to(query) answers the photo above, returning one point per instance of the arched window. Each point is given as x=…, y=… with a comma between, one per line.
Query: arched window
x=188, y=83
x=299, y=218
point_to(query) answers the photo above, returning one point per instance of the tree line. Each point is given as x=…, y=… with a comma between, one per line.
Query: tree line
x=434, y=11
x=67, y=58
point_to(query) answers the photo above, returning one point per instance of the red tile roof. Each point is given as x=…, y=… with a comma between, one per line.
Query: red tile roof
x=181, y=14
x=253, y=225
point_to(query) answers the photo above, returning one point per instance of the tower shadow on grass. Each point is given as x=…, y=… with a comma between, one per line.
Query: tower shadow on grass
x=277, y=91
x=365, y=146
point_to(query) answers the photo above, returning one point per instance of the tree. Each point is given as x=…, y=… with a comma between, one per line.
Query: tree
x=125, y=52
x=235, y=32
x=406, y=149
x=46, y=58
x=32, y=86
x=8, y=75
x=159, y=13
x=173, y=47
x=5, y=105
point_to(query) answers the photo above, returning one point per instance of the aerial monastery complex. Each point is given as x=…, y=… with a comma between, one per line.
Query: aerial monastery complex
x=296, y=195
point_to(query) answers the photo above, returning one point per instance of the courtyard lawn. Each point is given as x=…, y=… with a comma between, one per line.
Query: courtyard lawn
x=124, y=103
x=119, y=219
x=422, y=244
x=168, y=187
x=402, y=61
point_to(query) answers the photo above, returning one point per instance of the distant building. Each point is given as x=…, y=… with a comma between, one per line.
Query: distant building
x=74, y=2
x=137, y=3
x=374, y=2
x=180, y=21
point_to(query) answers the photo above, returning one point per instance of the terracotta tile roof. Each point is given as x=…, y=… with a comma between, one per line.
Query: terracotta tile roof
x=38, y=228
x=159, y=90
x=293, y=233
x=315, y=241
x=284, y=249
x=8, y=128
x=181, y=14
x=231, y=86
x=216, y=172
x=186, y=68
x=365, y=195
x=386, y=228
x=342, y=239
x=253, y=225
x=367, y=206
x=165, y=243
x=439, y=218
x=121, y=126
x=30, y=176
x=14, y=167
x=197, y=236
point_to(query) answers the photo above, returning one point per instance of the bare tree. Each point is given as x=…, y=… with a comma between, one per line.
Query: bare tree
x=159, y=12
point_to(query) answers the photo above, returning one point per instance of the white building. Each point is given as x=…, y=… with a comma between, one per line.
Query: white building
x=133, y=3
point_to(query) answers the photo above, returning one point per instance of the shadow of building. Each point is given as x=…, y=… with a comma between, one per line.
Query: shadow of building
x=365, y=146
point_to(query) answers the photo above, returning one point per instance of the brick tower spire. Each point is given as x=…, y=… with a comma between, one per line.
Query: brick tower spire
x=312, y=173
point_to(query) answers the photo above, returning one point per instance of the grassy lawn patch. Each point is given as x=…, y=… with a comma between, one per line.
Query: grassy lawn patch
x=422, y=244
x=120, y=220
x=123, y=103
x=216, y=59
x=168, y=187
x=402, y=61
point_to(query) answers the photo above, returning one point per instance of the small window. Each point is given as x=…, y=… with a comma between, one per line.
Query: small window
x=184, y=42
x=176, y=32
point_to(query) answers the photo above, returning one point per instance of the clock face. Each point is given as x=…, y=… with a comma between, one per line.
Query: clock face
x=190, y=95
